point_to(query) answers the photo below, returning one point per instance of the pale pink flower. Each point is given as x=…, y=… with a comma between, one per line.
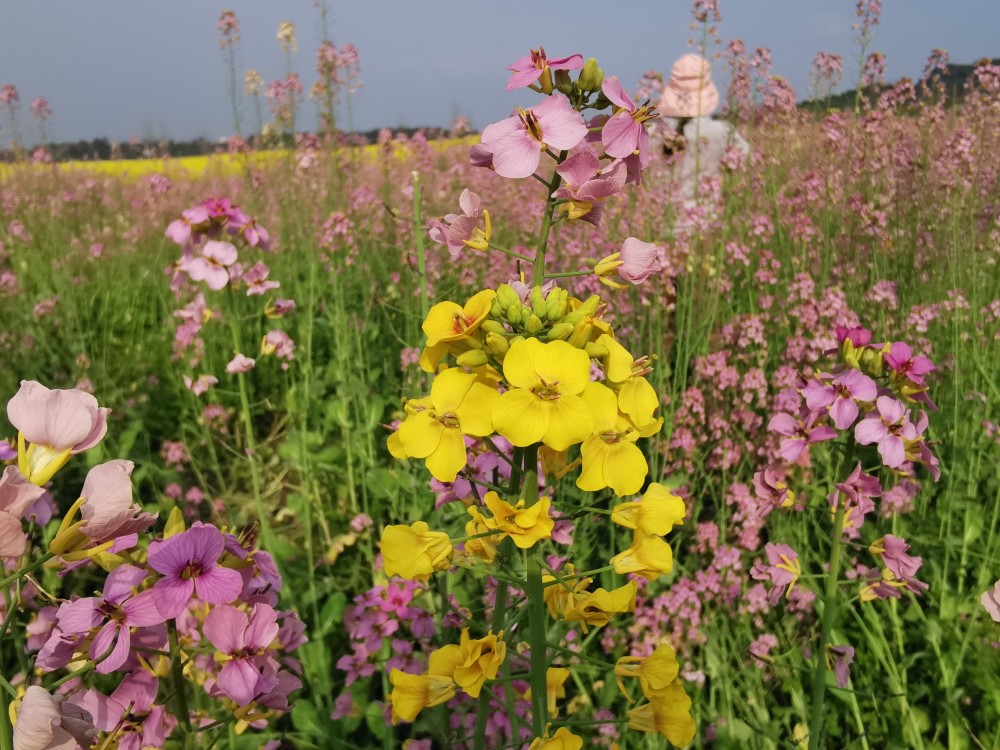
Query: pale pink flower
x=639, y=260
x=528, y=69
x=841, y=395
x=456, y=231
x=108, y=511
x=193, y=221
x=56, y=424
x=586, y=185
x=257, y=281
x=240, y=363
x=624, y=134
x=889, y=426
x=201, y=384
x=783, y=570
x=799, y=433
x=278, y=343
x=213, y=264
x=516, y=144
x=991, y=601
x=901, y=360
x=46, y=723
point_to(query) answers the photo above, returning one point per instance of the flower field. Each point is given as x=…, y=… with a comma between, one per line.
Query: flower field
x=517, y=440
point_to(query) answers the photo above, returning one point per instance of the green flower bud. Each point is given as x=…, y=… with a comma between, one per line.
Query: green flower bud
x=533, y=325
x=506, y=296
x=474, y=358
x=591, y=77
x=560, y=331
x=493, y=326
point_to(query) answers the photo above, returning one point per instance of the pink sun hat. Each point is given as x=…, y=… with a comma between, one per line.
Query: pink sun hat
x=690, y=91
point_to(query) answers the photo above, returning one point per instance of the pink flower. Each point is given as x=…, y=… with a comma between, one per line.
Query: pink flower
x=256, y=280
x=240, y=363
x=460, y=231
x=859, y=490
x=193, y=221
x=212, y=266
x=107, y=509
x=640, y=260
x=245, y=641
x=278, y=343
x=516, y=144
x=130, y=713
x=531, y=67
x=241, y=224
x=783, y=570
x=772, y=490
x=201, y=384
x=888, y=425
x=45, y=723
x=116, y=611
x=586, y=185
x=624, y=134
x=900, y=568
x=901, y=360
x=843, y=657
x=189, y=563
x=799, y=433
x=17, y=494
x=858, y=335
x=991, y=601
x=56, y=424
x=841, y=395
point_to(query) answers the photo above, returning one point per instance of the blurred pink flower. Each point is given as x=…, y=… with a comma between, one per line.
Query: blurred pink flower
x=213, y=263
x=240, y=363
x=586, y=185
x=201, y=384
x=783, y=570
x=640, y=260
x=991, y=601
x=799, y=433
x=45, y=722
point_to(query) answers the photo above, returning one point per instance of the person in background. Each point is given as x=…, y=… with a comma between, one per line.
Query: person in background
x=685, y=134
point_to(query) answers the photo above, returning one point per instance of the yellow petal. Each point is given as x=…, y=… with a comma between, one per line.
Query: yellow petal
x=638, y=400
x=570, y=422
x=522, y=417
x=450, y=388
x=625, y=468
x=449, y=457
x=603, y=404
x=476, y=412
x=420, y=434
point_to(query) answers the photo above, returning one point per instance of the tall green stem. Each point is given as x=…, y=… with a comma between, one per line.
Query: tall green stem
x=543, y=238
x=179, y=686
x=6, y=730
x=829, y=606
x=418, y=232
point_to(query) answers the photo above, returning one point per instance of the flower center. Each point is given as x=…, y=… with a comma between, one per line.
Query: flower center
x=546, y=391
x=531, y=124
x=192, y=570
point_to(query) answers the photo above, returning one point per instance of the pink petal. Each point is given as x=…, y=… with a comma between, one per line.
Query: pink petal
x=844, y=411
x=617, y=95
x=263, y=627
x=469, y=203
x=172, y=596
x=219, y=585
x=516, y=156
x=523, y=78
x=791, y=448
x=17, y=494
x=620, y=135
x=579, y=167
x=494, y=132
x=12, y=539
x=79, y=616
x=225, y=627
x=573, y=62
x=223, y=253
x=869, y=430
x=141, y=610
x=238, y=679
x=892, y=451
x=102, y=641
x=562, y=126
x=783, y=424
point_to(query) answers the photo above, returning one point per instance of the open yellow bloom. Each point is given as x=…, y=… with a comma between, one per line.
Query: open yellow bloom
x=459, y=405
x=560, y=595
x=483, y=547
x=654, y=672
x=658, y=512
x=596, y=608
x=637, y=399
x=544, y=404
x=414, y=552
x=473, y=661
x=668, y=713
x=555, y=688
x=412, y=693
x=525, y=526
x=610, y=456
x=563, y=739
x=450, y=327
x=649, y=557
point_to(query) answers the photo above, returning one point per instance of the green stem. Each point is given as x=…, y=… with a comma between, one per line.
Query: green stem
x=543, y=238
x=483, y=708
x=88, y=667
x=418, y=231
x=511, y=253
x=6, y=730
x=536, y=638
x=177, y=677
x=26, y=569
x=569, y=274
x=829, y=606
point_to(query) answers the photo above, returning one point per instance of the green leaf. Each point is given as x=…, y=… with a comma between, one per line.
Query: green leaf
x=306, y=719
x=375, y=720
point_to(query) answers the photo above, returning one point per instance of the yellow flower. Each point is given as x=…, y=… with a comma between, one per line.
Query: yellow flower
x=658, y=512
x=449, y=327
x=412, y=693
x=637, y=399
x=483, y=547
x=596, y=608
x=525, y=526
x=459, y=405
x=654, y=672
x=649, y=557
x=610, y=456
x=479, y=239
x=560, y=595
x=544, y=404
x=668, y=713
x=414, y=552
x=555, y=681
x=563, y=739
x=473, y=661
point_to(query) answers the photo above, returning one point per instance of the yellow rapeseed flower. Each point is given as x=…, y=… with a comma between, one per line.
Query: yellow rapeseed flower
x=610, y=455
x=668, y=713
x=555, y=688
x=459, y=405
x=451, y=327
x=596, y=608
x=563, y=739
x=544, y=404
x=483, y=547
x=654, y=672
x=412, y=693
x=524, y=526
x=473, y=661
x=649, y=557
x=658, y=512
x=414, y=552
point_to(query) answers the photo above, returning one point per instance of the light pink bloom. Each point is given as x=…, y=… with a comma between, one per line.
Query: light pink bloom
x=45, y=723
x=516, y=144
x=586, y=185
x=257, y=281
x=130, y=713
x=841, y=395
x=245, y=640
x=991, y=601
x=193, y=221
x=799, y=433
x=108, y=511
x=783, y=570
x=56, y=424
x=12, y=538
x=201, y=385
x=240, y=363
x=639, y=260
x=528, y=69
x=624, y=134
x=902, y=567
x=213, y=263
x=900, y=358
x=17, y=494
x=278, y=343
x=888, y=425
x=455, y=230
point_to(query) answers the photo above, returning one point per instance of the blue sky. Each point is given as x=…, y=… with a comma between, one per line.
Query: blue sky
x=119, y=68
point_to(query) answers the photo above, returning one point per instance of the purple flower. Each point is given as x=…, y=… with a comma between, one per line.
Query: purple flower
x=783, y=570
x=212, y=266
x=888, y=426
x=900, y=358
x=841, y=395
x=586, y=185
x=130, y=712
x=624, y=134
x=843, y=657
x=245, y=640
x=799, y=433
x=189, y=563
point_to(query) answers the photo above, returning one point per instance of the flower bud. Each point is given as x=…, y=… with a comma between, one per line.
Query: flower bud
x=595, y=350
x=585, y=310
x=560, y=331
x=496, y=310
x=533, y=324
x=506, y=296
x=496, y=345
x=591, y=77
x=563, y=82
x=515, y=313
x=581, y=334
x=473, y=358
x=493, y=326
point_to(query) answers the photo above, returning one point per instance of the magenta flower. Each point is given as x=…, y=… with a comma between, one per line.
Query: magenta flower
x=624, y=134
x=257, y=281
x=772, y=490
x=799, y=433
x=901, y=360
x=212, y=266
x=840, y=395
x=887, y=425
x=189, y=563
x=843, y=657
x=858, y=335
x=44, y=723
x=56, y=424
x=241, y=224
x=991, y=601
x=240, y=363
x=783, y=570
x=859, y=490
x=516, y=144
x=245, y=641
x=531, y=67
x=900, y=568
x=115, y=612
x=130, y=713
x=586, y=185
